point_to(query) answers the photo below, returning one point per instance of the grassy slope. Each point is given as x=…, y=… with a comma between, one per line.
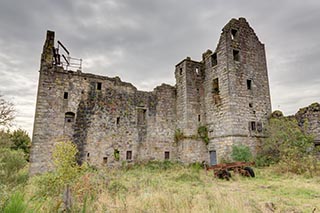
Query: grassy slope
x=162, y=187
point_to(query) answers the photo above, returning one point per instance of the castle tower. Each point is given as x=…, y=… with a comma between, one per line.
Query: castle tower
x=236, y=90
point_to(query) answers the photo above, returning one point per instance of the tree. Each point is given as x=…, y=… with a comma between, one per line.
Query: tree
x=21, y=140
x=288, y=146
x=7, y=112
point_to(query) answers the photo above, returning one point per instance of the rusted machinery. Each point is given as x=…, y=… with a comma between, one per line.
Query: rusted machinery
x=222, y=170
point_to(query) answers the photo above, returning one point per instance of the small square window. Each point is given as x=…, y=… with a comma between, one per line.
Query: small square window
x=129, y=155
x=236, y=55
x=166, y=155
x=65, y=95
x=250, y=105
x=99, y=86
x=105, y=160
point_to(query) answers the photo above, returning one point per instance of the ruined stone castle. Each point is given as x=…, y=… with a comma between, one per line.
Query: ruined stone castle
x=217, y=102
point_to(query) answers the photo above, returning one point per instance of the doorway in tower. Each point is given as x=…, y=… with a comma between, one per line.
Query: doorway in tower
x=213, y=157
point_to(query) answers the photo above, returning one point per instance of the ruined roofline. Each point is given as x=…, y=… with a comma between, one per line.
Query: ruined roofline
x=187, y=59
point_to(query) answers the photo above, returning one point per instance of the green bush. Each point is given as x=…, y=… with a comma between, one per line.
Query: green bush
x=21, y=140
x=11, y=162
x=288, y=147
x=241, y=153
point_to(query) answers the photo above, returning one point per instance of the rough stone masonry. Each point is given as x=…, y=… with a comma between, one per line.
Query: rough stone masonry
x=217, y=102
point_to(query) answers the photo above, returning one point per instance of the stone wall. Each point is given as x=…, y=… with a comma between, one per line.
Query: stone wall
x=309, y=118
x=112, y=122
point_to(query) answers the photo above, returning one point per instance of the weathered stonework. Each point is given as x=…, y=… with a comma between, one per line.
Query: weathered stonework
x=309, y=118
x=112, y=122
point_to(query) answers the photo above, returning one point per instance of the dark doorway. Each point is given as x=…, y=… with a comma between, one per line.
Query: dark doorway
x=213, y=157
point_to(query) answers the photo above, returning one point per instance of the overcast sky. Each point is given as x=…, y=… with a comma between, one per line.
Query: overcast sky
x=141, y=41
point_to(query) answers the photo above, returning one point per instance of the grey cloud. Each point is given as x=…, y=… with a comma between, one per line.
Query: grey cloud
x=142, y=40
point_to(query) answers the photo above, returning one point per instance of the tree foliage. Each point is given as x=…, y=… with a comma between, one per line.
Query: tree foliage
x=7, y=112
x=288, y=146
x=21, y=140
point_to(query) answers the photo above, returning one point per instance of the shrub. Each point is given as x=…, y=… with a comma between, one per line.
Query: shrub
x=203, y=134
x=241, y=153
x=11, y=162
x=21, y=140
x=288, y=147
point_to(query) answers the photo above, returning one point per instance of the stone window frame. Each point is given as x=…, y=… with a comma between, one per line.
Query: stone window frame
x=167, y=155
x=65, y=95
x=236, y=55
x=214, y=59
x=142, y=122
x=69, y=117
x=215, y=86
x=252, y=126
x=234, y=33
x=99, y=86
x=249, y=84
x=129, y=155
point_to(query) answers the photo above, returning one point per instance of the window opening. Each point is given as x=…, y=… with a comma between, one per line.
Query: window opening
x=250, y=105
x=236, y=55
x=105, y=160
x=197, y=71
x=99, y=86
x=118, y=120
x=88, y=154
x=180, y=71
x=69, y=117
x=253, y=126
x=129, y=155
x=259, y=126
x=141, y=120
x=233, y=33
x=166, y=155
x=249, y=84
x=65, y=95
x=116, y=154
x=214, y=60
x=215, y=86
x=199, y=118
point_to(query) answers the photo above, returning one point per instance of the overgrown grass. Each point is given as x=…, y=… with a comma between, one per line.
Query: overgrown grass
x=172, y=187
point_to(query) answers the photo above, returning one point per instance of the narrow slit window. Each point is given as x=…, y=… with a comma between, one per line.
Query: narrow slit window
x=118, y=121
x=236, y=55
x=215, y=86
x=250, y=105
x=249, y=84
x=214, y=60
x=199, y=118
x=65, y=95
x=99, y=86
x=129, y=155
x=253, y=126
x=166, y=155
x=181, y=71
